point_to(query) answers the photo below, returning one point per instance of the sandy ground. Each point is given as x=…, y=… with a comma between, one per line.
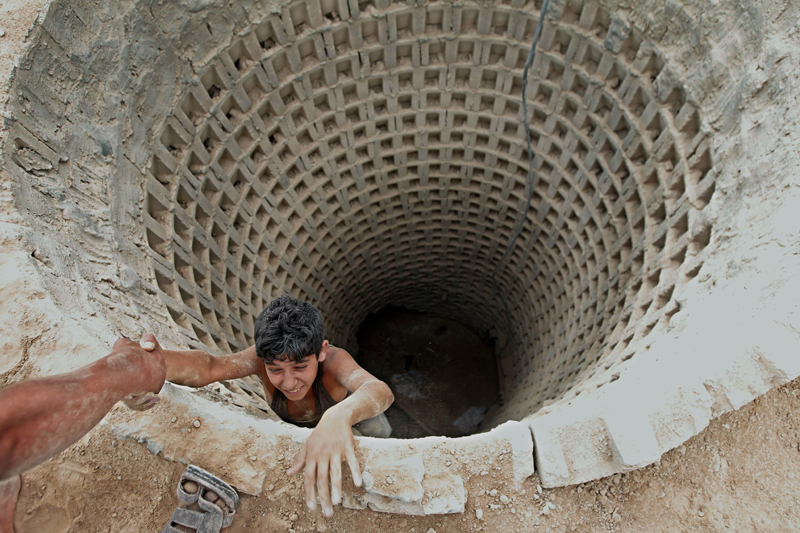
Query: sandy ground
x=737, y=475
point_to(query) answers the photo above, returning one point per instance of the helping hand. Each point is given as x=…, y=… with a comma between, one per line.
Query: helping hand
x=322, y=454
x=153, y=368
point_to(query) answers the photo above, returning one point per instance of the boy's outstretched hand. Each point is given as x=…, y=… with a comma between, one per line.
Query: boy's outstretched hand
x=330, y=443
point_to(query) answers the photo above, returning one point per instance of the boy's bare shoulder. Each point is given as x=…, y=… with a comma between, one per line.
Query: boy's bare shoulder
x=341, y=367
x=338, y=353
x=338, y=361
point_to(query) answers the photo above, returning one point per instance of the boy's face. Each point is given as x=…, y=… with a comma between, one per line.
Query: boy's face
x=295, y=379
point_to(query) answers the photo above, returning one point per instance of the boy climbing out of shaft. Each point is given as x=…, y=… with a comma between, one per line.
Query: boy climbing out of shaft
x=309, y=383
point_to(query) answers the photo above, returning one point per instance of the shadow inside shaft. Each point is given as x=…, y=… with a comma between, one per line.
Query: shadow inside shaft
x=442, y=373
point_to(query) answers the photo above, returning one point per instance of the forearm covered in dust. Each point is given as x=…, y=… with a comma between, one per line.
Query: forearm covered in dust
x=369, y=400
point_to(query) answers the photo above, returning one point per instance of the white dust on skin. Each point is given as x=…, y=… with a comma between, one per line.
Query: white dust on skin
x=351, y=380
x=245, y=362
x=369, y=399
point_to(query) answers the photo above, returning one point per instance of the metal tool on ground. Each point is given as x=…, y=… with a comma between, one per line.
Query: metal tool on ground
x=210, y=503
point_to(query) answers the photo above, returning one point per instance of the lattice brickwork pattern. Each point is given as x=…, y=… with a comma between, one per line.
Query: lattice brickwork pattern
x=357, y=154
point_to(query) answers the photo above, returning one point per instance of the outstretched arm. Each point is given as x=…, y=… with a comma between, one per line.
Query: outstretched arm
x=41, y=417
x=332, y=439
x=196, y=368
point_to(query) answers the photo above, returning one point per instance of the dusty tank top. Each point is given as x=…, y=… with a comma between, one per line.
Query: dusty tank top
x=322, y=402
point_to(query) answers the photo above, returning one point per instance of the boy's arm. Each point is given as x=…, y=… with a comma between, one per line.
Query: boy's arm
x=369, y=396
x=41, y=417
x=196, y=368
x=332, y=439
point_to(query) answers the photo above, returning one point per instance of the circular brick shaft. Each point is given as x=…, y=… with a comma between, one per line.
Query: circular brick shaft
x=188, y=164
x=377, y=157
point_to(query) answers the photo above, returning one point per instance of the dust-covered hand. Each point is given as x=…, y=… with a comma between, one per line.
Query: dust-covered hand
x=330, y=443
x=150, y=359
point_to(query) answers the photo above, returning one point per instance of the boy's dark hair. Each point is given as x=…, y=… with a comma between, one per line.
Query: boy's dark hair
x=288, y=329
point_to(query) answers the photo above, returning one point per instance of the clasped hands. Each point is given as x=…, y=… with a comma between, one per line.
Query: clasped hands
x=147, y=398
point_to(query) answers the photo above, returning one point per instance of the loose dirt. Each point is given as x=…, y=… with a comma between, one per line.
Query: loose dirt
x=737, y=475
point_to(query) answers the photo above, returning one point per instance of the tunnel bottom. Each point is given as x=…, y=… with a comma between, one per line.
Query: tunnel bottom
x=443, y=374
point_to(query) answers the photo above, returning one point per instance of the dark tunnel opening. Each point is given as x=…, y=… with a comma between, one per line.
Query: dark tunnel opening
x=444, y=374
